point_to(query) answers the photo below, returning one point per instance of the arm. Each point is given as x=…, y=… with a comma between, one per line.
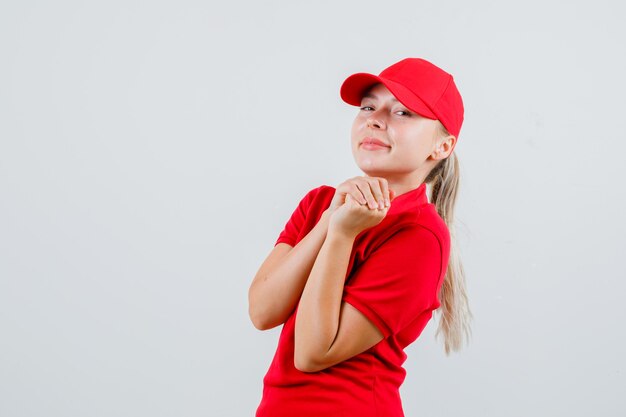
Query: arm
x=278, y=284
x=328, y=330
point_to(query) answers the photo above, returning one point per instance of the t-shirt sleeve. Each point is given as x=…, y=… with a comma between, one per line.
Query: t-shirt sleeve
x=398, y=281
x=294, y=225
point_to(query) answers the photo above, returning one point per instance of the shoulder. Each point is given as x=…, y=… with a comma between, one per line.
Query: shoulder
x=315, y=194
x=415, y=235
x=326, y=190
x=433, y=221
x=320, y=196
x=320, y=191
x=426, y=220
x=425, y=231
x=434, y=235
x=315, y=201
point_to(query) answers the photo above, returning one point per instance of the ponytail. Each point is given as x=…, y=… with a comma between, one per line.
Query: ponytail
x=454, y=311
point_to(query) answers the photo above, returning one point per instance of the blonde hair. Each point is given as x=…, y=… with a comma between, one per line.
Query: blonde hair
x=454, y=311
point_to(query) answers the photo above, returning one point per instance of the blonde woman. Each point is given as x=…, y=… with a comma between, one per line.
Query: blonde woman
x=358, y=270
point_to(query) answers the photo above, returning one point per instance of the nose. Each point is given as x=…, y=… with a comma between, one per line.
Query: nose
x=377, y=122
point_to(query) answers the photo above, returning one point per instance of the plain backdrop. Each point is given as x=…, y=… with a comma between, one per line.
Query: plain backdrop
x=151, y=153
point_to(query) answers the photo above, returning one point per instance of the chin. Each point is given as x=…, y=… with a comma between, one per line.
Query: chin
x=372, y=171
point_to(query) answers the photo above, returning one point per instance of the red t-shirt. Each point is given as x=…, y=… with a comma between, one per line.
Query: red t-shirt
x=395, y=271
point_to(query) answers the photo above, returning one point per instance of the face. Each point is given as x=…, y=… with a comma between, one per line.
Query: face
x=414, y=145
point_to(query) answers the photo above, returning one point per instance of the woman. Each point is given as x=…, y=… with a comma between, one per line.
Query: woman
x=358, y=270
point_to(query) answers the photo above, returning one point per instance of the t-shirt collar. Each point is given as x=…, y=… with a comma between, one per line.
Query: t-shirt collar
x=410, y=199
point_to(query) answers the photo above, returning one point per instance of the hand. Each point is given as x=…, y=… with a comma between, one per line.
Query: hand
x=365, y=190
x=352, y=218
x=353, y=215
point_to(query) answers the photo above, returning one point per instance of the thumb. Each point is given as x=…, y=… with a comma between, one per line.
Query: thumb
x=392, y=194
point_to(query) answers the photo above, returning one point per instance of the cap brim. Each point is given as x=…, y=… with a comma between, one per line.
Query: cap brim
x=355, y=86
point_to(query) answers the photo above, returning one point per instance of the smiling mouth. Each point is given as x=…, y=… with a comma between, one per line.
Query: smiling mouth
x=374, y=141
x=373, y=146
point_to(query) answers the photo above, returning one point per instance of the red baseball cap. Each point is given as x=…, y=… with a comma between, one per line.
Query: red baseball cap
x=420, y=85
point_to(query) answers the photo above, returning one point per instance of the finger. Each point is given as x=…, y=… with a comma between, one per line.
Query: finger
x=348, y=187
x=392, y=194
x=366, y=193
x=377, y=193
x=373, y=190
x=384, y=185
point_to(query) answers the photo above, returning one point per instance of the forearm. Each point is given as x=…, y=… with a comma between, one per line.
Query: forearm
x=274, y=295
x=317, y=320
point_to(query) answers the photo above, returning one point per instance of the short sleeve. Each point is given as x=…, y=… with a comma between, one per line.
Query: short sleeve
x=292, y=228
x=398, y=281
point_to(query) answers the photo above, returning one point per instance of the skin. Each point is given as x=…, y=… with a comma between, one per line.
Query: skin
x=327, y=329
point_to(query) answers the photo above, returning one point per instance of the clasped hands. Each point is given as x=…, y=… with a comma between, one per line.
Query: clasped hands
x=358, y=204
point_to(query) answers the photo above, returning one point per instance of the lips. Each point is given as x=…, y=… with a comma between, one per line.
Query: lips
x=374, y=141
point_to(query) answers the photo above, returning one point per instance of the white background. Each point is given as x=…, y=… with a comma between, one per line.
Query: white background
x=151, y=152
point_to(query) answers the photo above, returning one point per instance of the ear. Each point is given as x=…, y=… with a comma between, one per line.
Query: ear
x=444, y=147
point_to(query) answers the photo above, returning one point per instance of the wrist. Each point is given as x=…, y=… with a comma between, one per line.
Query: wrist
x=326, y=215
x=338, y=234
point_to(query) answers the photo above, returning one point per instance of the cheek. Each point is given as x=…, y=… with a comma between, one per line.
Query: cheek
x=356, y=123
x=354, y=130
x=411, y=140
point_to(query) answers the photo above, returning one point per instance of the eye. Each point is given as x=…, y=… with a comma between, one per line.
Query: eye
x=365, y=108
x=406, y=113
